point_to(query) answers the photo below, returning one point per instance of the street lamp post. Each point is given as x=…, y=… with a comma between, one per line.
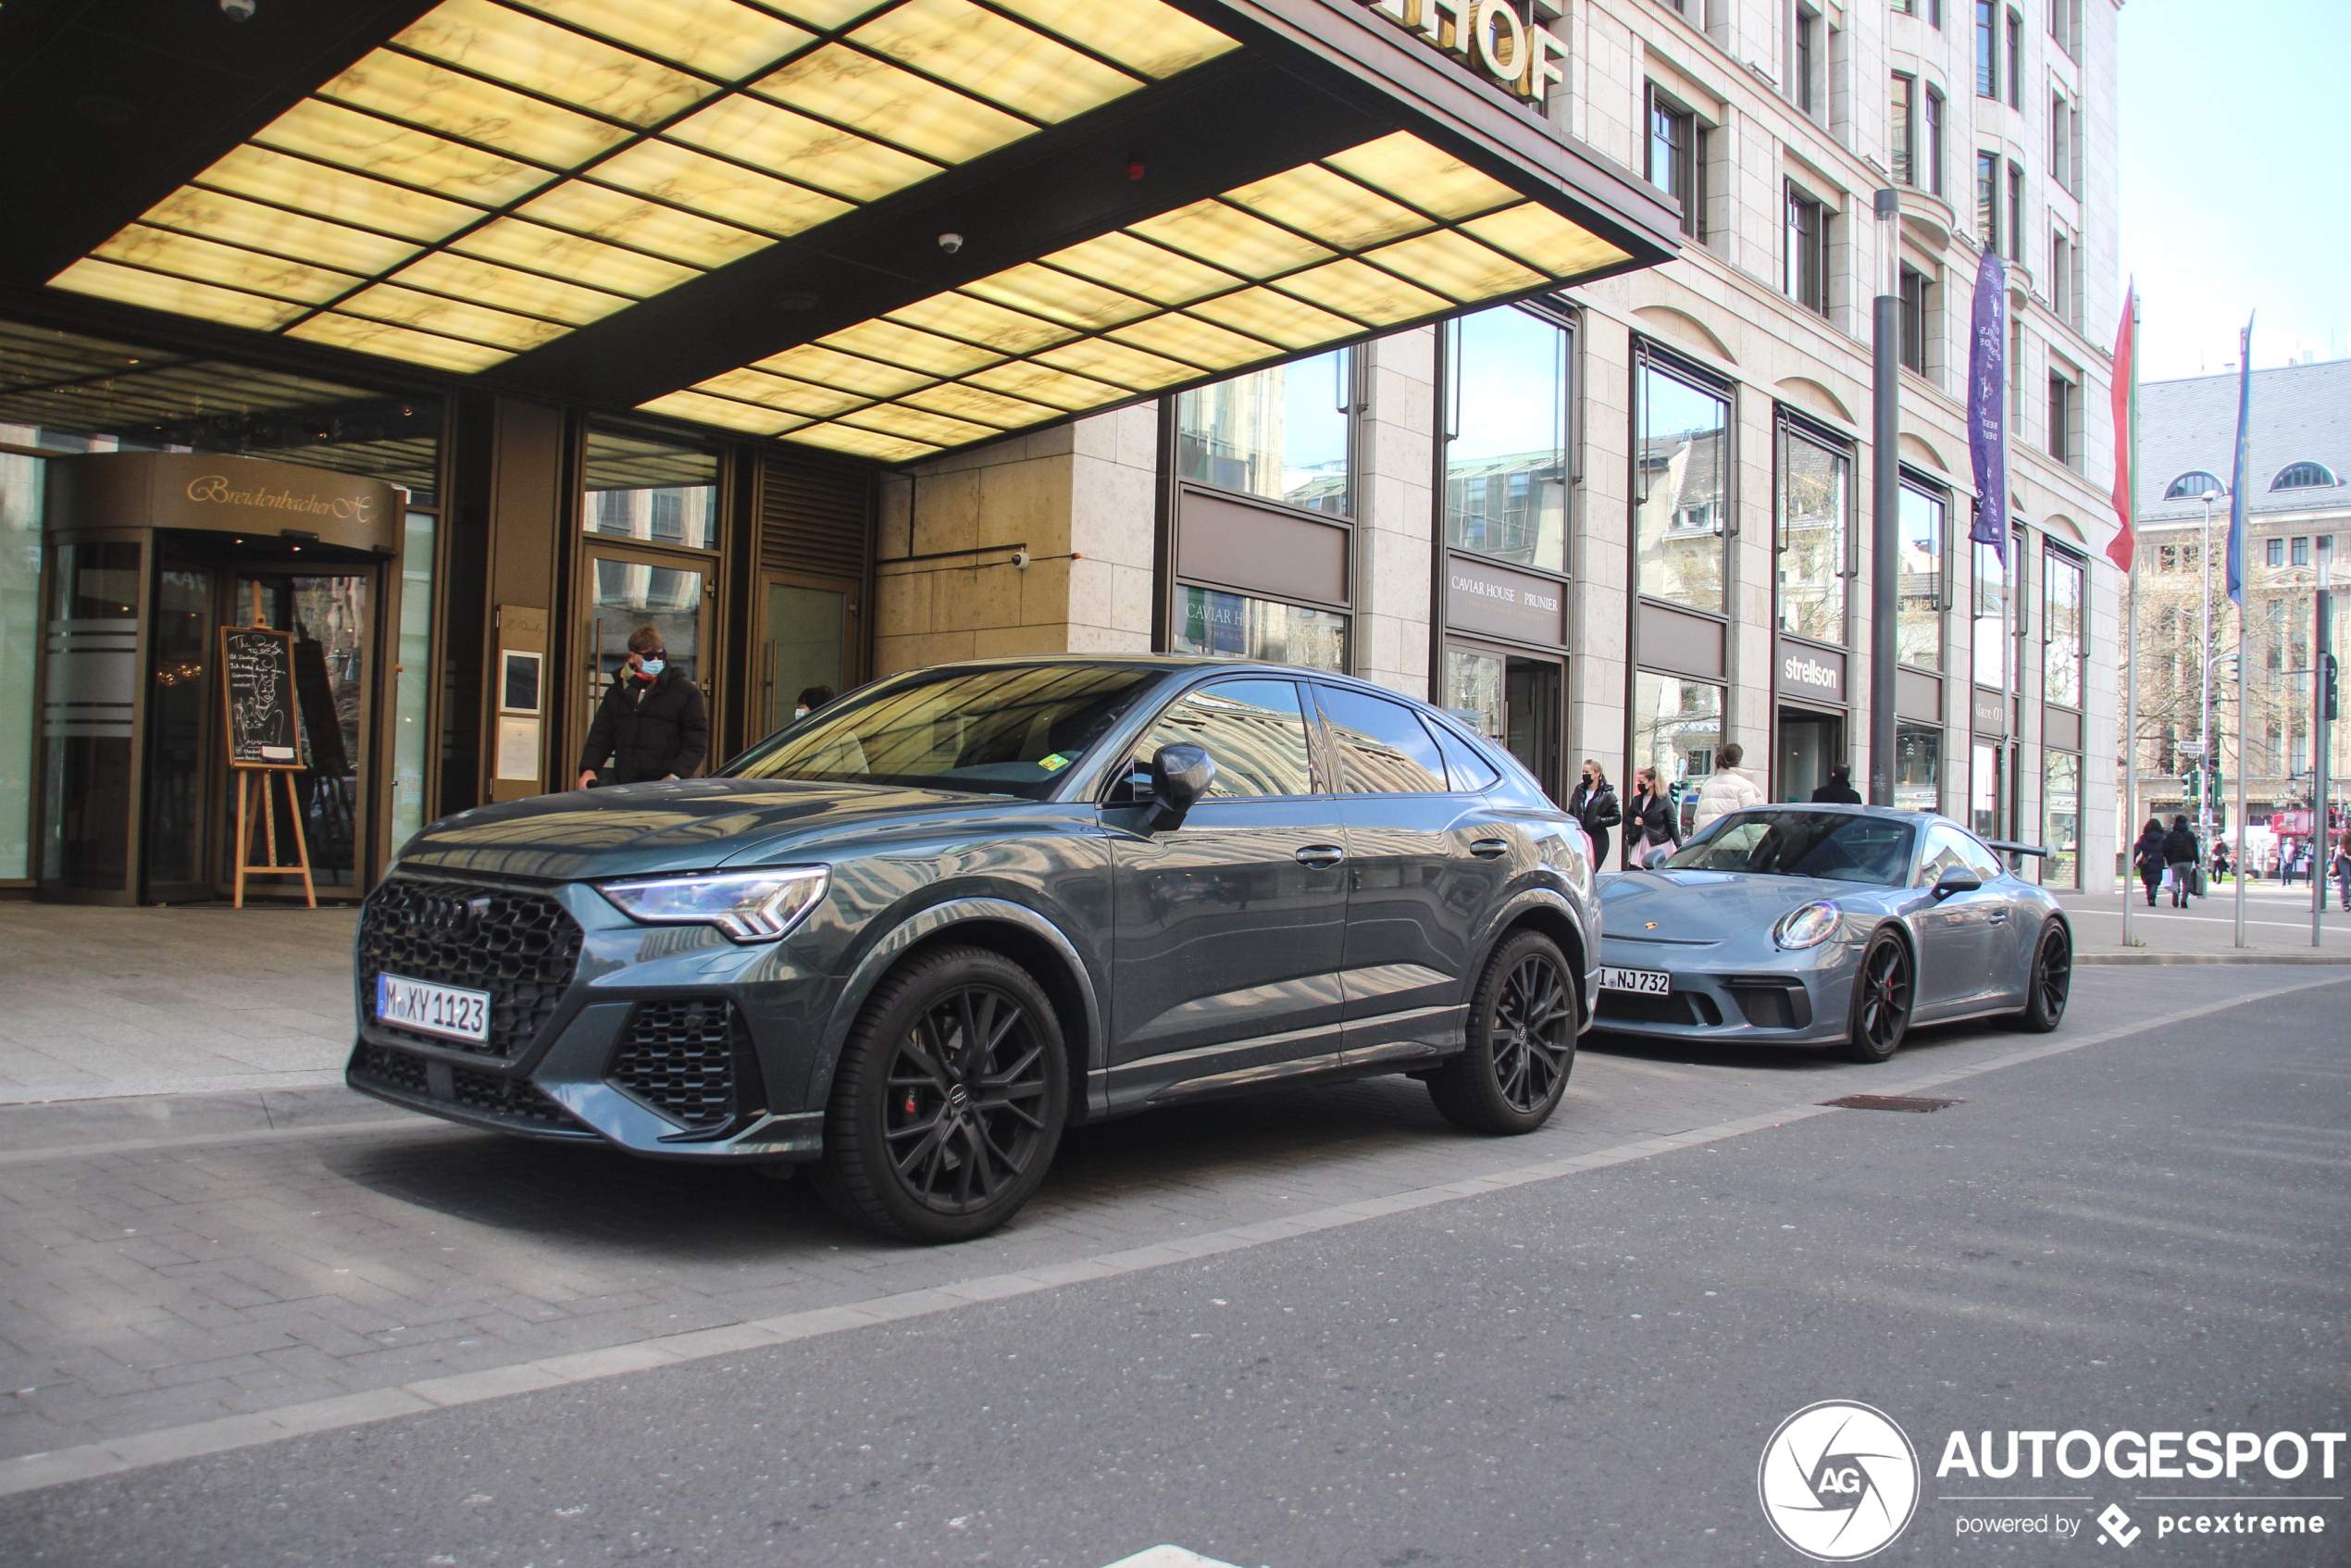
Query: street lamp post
x=2204, y=696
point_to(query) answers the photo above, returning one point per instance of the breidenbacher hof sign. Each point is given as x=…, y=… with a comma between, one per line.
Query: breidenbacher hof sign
x=1515, y=54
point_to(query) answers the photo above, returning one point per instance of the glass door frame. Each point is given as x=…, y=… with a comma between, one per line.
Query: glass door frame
x=582, y=656
x=761, y=696
x=1555, y=772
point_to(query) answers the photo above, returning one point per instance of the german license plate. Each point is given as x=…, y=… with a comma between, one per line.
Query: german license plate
x=1648, y=982
x=432, y=1010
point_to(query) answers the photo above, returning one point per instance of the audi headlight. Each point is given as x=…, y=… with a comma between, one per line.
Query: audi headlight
x=749, y=906
x=1808, y=924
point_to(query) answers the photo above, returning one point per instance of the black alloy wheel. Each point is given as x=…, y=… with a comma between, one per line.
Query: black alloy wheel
x=2051, y=983
x=1521, y=1046
x=1881, y=1000
x=949, y=1100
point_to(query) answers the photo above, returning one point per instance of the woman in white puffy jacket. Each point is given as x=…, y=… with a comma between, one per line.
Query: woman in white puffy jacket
x=1725, y=791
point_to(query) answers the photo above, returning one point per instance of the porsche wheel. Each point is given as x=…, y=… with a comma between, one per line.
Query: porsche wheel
x=1883, y=993
x=2049, y=985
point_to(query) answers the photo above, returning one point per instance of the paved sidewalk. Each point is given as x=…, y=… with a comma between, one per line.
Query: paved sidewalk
x=110, y=1002
x=2277, y=927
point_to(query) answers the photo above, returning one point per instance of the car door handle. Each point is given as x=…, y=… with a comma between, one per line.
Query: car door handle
x=1319, y=855
x=1998, y=915
x=1488, y=849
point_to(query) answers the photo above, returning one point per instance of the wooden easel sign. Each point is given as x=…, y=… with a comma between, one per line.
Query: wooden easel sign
x=257, y=699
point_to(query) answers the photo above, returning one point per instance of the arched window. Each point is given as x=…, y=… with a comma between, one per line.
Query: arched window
x=2304, y=476
x=2192, y=484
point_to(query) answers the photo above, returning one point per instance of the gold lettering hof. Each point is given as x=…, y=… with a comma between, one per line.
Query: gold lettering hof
x=214, y=489
x=1517, y=53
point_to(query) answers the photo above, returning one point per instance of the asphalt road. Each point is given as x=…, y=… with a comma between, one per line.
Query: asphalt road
x=2143, y=1234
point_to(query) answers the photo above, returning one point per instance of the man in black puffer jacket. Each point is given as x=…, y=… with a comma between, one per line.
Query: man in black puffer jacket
x=653, y=723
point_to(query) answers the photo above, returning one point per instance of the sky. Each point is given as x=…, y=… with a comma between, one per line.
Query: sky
x=2233, y=166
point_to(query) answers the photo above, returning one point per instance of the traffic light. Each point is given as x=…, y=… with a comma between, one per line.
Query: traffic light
x=2327, y=672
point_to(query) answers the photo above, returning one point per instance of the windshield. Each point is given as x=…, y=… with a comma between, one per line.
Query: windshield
x=990, y=731
x=1839, y=846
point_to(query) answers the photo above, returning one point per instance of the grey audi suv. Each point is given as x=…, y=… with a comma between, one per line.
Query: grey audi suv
x=911, y=936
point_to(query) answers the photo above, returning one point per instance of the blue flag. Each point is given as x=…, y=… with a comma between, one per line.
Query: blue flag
x=2236, y=481
x=1987, y=411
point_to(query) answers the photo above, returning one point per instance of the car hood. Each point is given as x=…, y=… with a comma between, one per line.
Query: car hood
x=690, y=825
x=1710, y=906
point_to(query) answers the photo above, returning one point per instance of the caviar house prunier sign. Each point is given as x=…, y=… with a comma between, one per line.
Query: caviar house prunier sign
x=1497, y=43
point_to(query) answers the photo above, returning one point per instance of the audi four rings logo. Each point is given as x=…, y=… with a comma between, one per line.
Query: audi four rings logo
x=1838, y=1481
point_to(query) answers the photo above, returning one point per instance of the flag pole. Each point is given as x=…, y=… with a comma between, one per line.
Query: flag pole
x=2130, y=680
x=2236, y=591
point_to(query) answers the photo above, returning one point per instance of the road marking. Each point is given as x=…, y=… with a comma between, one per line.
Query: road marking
x=1168, y=1557
x=117, y=1455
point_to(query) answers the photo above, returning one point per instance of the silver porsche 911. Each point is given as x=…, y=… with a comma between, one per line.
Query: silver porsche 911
x=1830, y=926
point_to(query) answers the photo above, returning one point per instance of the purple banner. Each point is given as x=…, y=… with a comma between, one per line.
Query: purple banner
x=2236, y=474
x=1987, y=404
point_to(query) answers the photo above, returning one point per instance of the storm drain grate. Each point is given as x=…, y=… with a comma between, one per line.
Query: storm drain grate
x=1889, y=1103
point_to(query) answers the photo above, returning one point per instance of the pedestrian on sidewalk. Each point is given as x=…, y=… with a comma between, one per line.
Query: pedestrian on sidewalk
x=1726, y=789
x=2180, y=853
x=1594, y=805
x=2147, y=857
x=2342, y=869
x=1652, y=823
x=652, y=724
x=1838, y=790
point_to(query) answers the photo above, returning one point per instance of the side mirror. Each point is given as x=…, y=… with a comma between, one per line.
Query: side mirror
x=1958, y=879
x=1181, y=776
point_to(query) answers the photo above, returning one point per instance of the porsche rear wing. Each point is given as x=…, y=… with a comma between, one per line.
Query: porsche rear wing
x=2002, y=846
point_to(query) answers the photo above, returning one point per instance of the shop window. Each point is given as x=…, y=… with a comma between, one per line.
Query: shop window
x=1677, y=727
x=1683, y=488
x=1209, y=620
x=651, y=490
x=1283, y=433
x=1816, y=501
x=1919, y=593
x=20, y=478
x=1918, y=767
x=2061, y=819
x=1987, y=634
x=412, y=686
x=1506, y=464
x=2062, y=584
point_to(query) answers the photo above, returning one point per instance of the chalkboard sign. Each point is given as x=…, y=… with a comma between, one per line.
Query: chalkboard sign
x=257, y=688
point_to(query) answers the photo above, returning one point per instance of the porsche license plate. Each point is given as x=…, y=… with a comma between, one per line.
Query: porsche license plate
x=1648, y=982
x=432, y=1010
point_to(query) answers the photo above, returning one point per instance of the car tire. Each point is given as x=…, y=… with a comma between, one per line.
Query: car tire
x=949, y=1100
x=2051, y=984
x=1885, y=992
x=1521, y=1042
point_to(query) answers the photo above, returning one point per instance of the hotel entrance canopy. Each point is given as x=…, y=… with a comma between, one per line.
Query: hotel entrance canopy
x=884, y=228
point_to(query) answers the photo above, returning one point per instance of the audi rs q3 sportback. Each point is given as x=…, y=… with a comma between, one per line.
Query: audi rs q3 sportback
x=914, y=933
x=1829, y=925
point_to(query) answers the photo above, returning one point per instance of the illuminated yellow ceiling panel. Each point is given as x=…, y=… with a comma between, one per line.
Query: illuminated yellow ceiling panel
x=781, y=392
x=978, y=321
x=1140, y=267
x=896, y=344
x=1117, y=362
x=753, y=132
x=1330, y=206
x=1457, y=266
x=999, y=59
x=333, y=134
x=684, y=178
x=726, y=412
x=1042, y=383
x=713, y=37
x=1404, y=166
x=896, y=420
x=1142, y=35
x=1197, y=343
x=624, y=219
x=509, y=46
x=466, y=279
x=824, y=14
x=1057, y=295
x=424, y=93
x=396, y=342
x=966, y=401
x=1536, y=235
x=874, y=97
x=1231, y=239
x=160, y=250
x=233, y=221
x=1364, y=292
x=449, y=319
x=537, y=248
x=1276, y=318
x=336, y=195
x=181, y=296
x=864, y=443
x=830, y=367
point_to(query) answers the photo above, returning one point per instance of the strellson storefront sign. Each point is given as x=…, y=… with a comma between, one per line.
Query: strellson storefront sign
x=1507, y=49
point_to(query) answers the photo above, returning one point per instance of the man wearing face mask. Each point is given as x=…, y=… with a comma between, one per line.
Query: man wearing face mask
x=653, y=723
x=811, y=699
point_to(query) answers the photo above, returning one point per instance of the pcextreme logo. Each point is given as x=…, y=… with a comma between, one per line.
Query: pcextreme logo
x=1838, y=1481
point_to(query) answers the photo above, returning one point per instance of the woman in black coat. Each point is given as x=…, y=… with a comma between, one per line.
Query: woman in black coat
x=1651, y=820
x=653, y=723
x=1594, y=805
x=2180, y=855
x=2146, y=855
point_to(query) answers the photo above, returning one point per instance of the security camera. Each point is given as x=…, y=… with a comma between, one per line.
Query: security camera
x=950, y=244
x=237, y=10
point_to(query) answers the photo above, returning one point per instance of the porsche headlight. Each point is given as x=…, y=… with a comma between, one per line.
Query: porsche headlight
x=1808, y=924
x=749, y=906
